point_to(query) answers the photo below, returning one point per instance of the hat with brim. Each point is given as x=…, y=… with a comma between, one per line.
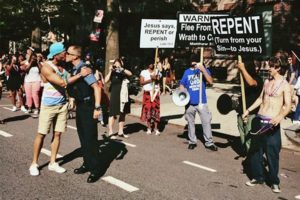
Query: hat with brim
x=55, y=49
x=32, y=49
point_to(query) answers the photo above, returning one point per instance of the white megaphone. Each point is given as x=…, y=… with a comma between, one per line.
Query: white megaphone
x=181, y=97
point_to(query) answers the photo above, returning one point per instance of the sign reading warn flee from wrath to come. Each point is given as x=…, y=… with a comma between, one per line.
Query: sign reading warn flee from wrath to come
x=238, y=35
x=195, y=30
x=157, y=33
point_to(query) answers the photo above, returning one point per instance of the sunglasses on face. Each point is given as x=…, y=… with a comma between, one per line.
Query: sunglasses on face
x=68, y=53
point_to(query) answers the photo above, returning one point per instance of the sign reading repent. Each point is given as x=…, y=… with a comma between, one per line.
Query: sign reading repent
x=240, y=35
x=157, y=33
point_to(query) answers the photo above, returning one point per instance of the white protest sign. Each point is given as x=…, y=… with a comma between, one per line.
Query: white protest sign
x=195, y=29
x=156, y=33
x=99, y=16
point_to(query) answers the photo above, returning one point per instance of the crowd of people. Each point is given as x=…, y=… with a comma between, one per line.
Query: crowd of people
x=51, y=92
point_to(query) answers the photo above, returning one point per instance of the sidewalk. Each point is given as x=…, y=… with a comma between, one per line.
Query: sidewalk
x=223, y=124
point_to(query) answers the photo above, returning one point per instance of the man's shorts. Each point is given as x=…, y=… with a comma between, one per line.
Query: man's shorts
x=55, y=116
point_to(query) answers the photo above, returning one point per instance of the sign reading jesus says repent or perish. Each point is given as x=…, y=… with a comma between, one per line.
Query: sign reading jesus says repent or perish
x=239, y=35
x=157, y=33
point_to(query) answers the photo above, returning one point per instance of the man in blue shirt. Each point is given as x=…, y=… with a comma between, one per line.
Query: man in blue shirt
x=87, y=95
x=191, y=82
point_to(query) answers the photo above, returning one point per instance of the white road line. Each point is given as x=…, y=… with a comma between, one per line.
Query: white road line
x=71, y=127
x=5, y=105
x=48, y=153
x=126, y=143
x=199, y=166
x=5, y=134
x=7, y=108
x=120, y=184
x=297, y=197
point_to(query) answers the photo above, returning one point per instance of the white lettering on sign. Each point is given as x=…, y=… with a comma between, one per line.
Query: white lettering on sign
x=237, y=25
x=197, y=18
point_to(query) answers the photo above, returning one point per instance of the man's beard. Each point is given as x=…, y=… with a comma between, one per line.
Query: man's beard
x=61, y=63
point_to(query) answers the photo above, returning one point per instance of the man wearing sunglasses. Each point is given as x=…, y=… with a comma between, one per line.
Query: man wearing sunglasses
x=53, y=107
x=87, y=95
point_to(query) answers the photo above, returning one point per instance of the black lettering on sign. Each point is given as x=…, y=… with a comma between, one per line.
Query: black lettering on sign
x=195, y=30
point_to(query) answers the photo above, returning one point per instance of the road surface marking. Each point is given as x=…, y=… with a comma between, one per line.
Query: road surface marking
x=126, y=143
x=71, y=127
x=297, y=197
x=199, y=166
x=5, y=105
x=120, y=184
x=7, y=108
x=5, y=134
x=48, y=153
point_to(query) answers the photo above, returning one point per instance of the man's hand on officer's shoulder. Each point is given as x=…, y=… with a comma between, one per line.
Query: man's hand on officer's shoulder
x=84, y=71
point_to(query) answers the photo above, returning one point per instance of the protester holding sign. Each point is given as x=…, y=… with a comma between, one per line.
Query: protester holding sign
x=151, y=97
x=191, y=82
x=253, y=88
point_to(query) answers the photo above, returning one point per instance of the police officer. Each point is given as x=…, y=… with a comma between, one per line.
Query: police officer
x=87, y=95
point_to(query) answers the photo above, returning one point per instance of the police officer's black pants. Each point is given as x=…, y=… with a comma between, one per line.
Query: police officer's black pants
x=88, y=135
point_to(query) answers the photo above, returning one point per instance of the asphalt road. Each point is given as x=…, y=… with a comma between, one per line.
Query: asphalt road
x=140, y=167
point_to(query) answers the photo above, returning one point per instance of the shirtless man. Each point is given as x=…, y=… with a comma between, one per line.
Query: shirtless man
x=275, y=104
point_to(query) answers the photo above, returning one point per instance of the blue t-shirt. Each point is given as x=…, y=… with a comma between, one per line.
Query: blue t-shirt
x=191, y=81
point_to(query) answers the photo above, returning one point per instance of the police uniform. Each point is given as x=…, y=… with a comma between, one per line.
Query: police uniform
x=87, y=129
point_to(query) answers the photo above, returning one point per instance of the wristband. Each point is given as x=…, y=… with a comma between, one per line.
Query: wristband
x=98, y=108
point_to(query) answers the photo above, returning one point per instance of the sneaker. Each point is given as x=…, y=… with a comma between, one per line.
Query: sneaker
x=296, y=122
x=275, y=188
x=254, y=182
x=36, y=112
x=55, y=167
x=29, y=111
x=148, y=131
x=123, y=135
x=33, y=170
x=24, y=109
x=14, y=109
x=212, y=147
x=157, y=132
x=112, y=136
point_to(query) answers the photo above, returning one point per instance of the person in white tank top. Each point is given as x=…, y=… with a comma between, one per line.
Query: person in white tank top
x=32, y=84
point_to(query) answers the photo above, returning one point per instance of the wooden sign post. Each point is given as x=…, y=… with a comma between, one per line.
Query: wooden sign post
x=242, y=87
x=201, y=79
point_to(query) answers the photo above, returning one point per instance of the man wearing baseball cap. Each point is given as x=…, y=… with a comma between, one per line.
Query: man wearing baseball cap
x=53, y=106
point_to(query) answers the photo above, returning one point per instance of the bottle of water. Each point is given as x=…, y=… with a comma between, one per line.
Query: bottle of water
x=100, y=117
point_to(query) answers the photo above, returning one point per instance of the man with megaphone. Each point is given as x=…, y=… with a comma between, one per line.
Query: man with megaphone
x=198, y=102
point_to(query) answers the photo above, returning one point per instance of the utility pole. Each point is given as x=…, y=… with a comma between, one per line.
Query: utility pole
x=112, y=37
